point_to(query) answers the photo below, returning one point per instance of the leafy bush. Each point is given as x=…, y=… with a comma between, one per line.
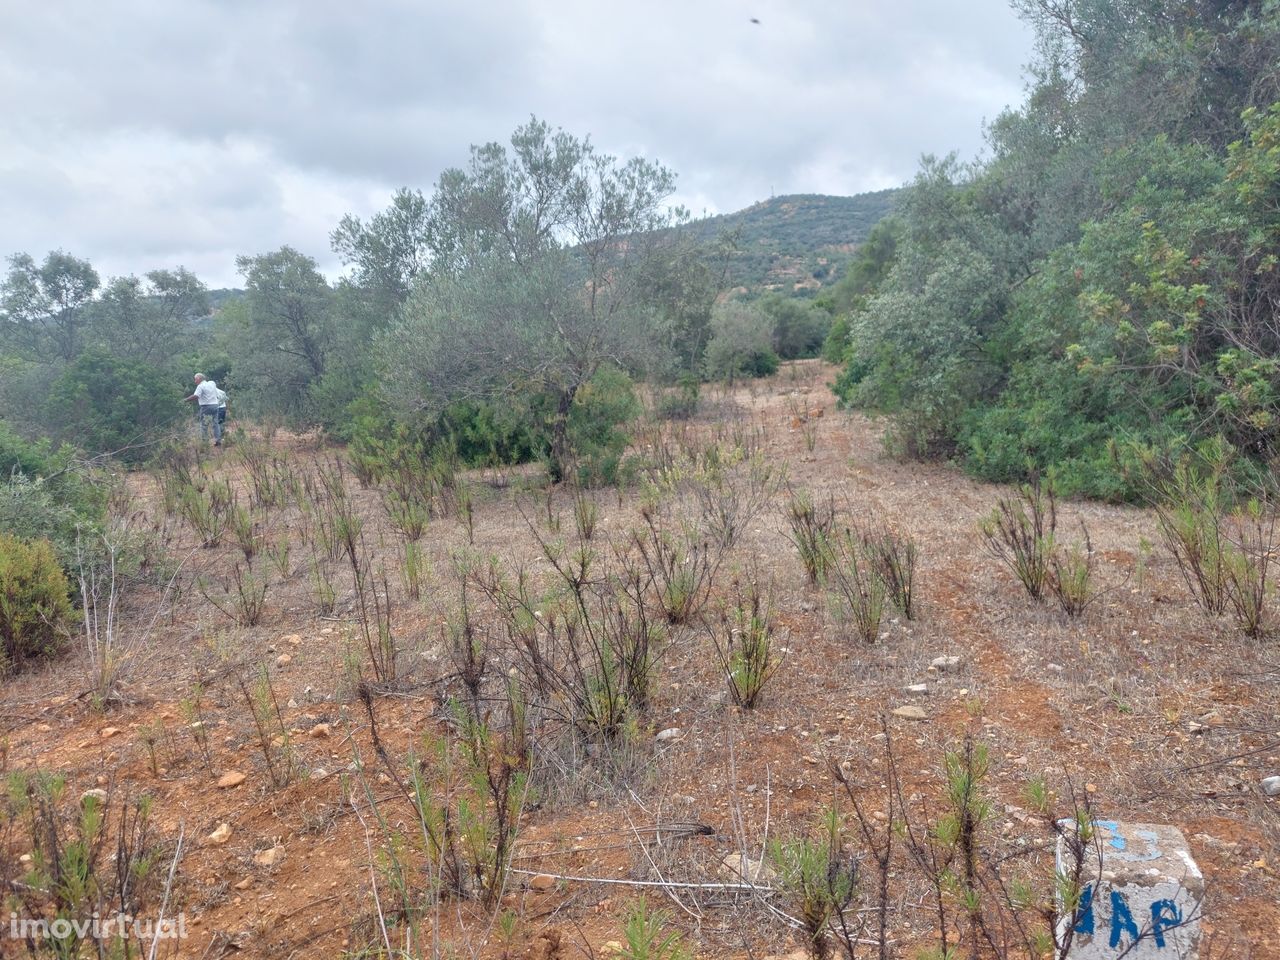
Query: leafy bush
x=741, y=343
x=42, y=497
x=107, y=404
x=35, y=605
x=596, y=436
x=799, y=328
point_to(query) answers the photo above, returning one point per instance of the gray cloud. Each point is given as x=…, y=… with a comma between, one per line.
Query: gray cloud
x=141, y=135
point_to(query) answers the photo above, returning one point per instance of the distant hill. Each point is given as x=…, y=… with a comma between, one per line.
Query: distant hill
x=796, y=244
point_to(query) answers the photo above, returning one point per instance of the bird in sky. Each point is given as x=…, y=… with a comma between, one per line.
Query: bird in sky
x=756, y=21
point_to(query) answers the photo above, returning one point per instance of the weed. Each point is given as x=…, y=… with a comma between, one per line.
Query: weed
x=644, y=931
x=819, y=878
x=855, y=587
x=1020, y=534
x=744, y=644
x=273, y=735
x=243, y=598
x=812, y=528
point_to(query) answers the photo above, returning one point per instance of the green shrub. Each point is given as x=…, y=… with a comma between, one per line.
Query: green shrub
x=107, y=404
x=35, y=606
x=597, y=438
x=835, y=348
x=680, y=403
x=799, y=328
x=741, y=343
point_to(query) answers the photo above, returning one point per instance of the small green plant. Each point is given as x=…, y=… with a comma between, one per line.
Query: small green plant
x=744, y=643
x=812, y=528
x=268, y=721
x=893, y=556
x=193, y=714
x=585, y=515
x=1247, y=564
x=278, y=553
x=1071, y=576
x=412, y=569
x=1020, y=534
x=243, y=598
x=819, y=878
x=408, y=514
x=855, y=587
x=647, y=938
x=322, y=590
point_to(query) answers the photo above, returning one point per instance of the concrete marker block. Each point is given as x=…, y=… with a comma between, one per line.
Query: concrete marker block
x=1142, y=897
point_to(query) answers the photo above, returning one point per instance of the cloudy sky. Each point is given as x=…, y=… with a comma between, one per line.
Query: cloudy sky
x=151, y=134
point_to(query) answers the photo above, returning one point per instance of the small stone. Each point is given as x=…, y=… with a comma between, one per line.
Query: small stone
x=736, y=868
x=1054, y=667
x=917, y=688
x=292, y=639
x=269, y=857
x=910, y=713
x=44, y=728
x=944, y=663
x=108, y=732
x=542, y=882
x=232, y=778
x=671, y=733
x=320, y=731
x=292, y=704
x=283, y=660
x=1271, y=786
x=97, y=793
x=319, y=773
x=222, y=834
x=1090, y=788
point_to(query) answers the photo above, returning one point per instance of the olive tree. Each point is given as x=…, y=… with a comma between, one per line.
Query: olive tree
x=537, y=277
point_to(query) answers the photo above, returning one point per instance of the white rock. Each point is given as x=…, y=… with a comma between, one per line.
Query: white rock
x=671, y=733
x=944, y=663
x=1271, y=786
x=269, y=857
x=917, y=688
x=910, y=713
x=97, y=793
x=222, y=834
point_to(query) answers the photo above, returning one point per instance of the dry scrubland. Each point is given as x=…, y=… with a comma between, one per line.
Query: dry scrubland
x=1143, y=706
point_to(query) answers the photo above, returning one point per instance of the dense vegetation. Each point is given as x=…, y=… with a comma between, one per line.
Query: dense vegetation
x=1105, y=285
x=797, y=244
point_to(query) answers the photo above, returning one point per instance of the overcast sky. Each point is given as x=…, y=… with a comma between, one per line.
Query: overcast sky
x=141, y=135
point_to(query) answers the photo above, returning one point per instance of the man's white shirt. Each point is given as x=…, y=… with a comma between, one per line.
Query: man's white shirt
x=207, y=393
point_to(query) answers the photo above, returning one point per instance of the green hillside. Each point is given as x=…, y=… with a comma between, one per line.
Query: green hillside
x=796, y=244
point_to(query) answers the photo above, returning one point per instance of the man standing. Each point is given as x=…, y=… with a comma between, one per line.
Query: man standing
x=206, y=395
x=222, y=409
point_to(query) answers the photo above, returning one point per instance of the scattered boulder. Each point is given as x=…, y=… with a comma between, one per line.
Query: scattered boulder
x=542, y=882
x=1271, y=786
x=910, y=713
x=97, y=793
x=269, y=857
x=222, y=834
x=232, y=778
x=944, y=664
x=671, y=733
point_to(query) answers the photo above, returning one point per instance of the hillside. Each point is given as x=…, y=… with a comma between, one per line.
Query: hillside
x=797, y=243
